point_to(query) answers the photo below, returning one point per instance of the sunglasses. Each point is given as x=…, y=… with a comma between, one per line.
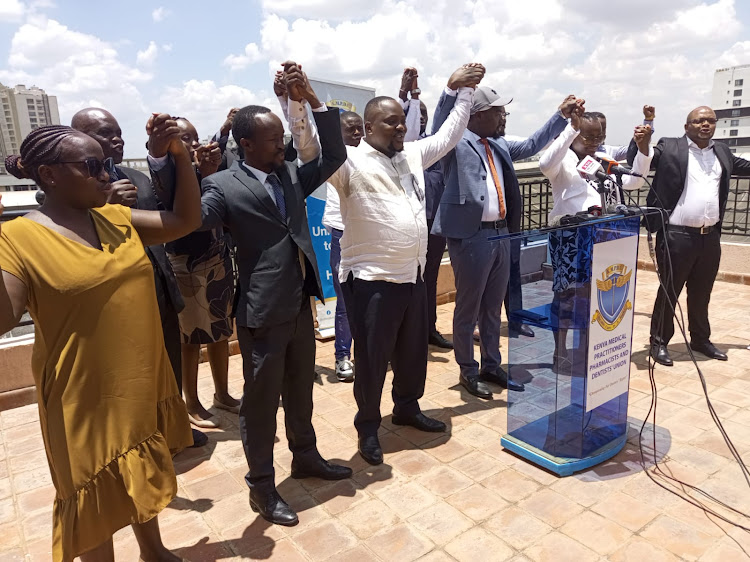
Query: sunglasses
x=94, y=166
x=709, y=120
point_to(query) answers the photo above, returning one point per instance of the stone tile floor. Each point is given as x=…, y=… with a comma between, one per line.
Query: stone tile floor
x=446, y=497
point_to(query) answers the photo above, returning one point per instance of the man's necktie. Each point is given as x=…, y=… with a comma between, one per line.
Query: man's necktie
x=495, y=177
x=109, y=165
x=278, y=193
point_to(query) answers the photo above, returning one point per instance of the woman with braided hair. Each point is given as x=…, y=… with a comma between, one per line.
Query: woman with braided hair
x=110, y=411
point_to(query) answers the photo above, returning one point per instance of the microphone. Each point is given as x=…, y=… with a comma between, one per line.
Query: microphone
x=613, y=167
x=619, y=209
x=590, y=169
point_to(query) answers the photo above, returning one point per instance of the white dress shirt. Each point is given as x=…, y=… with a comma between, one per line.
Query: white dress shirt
x=383, y=202
x=332, y=214
x=699, y=203
x=570, y=192
x=491, y=211
x=262, y=177
x=413, y=118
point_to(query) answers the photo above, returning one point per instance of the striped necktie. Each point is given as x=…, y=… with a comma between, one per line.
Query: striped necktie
x=278, y=193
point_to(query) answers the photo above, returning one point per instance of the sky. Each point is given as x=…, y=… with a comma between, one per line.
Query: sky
x=198, y=59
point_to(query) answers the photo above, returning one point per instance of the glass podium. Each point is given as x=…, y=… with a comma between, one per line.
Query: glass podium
x=573, y=412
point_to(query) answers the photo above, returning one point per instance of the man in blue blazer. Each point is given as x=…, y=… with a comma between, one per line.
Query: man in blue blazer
x=482, y=199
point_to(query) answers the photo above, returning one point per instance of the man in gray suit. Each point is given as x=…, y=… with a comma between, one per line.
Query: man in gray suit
x=482, y=199
x=261, y=199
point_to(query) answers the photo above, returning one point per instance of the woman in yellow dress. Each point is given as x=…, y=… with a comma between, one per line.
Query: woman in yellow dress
x=110, y=411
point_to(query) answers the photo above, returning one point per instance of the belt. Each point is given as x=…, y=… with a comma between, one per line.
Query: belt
x=495, y=225
x=693, y=229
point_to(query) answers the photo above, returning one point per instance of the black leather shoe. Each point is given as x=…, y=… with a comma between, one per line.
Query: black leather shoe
x=421, y=422
x=320, y=468
x=660, y=354
x=709, y=350
x=501, y=377
x=475, y=386
x=520, y=329
x=437, y=339
x=199, y=439
x=271, y=507
x=369, y=448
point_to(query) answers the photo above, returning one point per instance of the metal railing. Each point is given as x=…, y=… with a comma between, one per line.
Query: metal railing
x=536, y=194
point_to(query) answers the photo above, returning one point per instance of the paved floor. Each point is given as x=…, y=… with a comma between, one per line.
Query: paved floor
x=447, y=497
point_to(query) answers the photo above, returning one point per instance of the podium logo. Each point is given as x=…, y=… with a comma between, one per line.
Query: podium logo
x=612, y=296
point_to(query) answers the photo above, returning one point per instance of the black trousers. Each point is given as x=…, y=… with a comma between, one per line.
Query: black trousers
x=435, y=250
x=389, y=323
x=695, y=263
x=277, y=361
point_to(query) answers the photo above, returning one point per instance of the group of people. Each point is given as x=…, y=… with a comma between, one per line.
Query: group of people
x=126, y=276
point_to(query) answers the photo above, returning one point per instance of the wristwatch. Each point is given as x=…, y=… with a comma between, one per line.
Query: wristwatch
x=416, y=92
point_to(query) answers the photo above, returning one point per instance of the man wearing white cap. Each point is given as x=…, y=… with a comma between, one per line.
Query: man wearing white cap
x=482, y=199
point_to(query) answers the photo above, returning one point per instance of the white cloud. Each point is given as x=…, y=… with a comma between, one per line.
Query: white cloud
x=325, y=9
x=81, y=70
x=147, y=56
x=11, y=10
x=160, y=14
x=205, y=104
x=536, y=51
x=238, y=62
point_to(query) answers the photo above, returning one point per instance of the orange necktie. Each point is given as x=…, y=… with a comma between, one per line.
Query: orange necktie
x=495, y=178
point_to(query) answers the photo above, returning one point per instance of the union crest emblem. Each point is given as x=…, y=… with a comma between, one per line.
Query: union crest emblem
x=612, y=296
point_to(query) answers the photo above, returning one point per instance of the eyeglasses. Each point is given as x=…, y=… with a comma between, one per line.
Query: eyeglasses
x=94, y=166
x=505, y=114
x=709, y=120
x=593, y=140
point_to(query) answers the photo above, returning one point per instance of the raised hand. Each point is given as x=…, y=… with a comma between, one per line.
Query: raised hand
x=467, y=76
x=649, y=112
x=227, y=126
x=570, y=104
x=161, y=129
x=122, y=192
x=408, y=81
x=642, y=138
x=208, y=158
x=298, y=85
x=279, y=85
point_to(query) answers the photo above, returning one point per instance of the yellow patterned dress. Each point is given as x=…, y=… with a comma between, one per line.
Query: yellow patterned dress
x=108, y=402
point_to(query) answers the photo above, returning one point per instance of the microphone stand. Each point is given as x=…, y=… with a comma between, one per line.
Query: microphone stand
x=602, y=189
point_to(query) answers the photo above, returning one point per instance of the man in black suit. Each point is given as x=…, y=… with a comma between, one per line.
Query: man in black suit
x=692, y=185
x=134, y=189
x=261, y=199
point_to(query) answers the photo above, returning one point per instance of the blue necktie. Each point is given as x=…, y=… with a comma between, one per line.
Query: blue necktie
x=278, y=193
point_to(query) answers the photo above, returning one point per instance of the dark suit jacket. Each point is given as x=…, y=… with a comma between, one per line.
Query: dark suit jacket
x=671, y=162
x=459, y=214
x=271, y=288
x=166, y=285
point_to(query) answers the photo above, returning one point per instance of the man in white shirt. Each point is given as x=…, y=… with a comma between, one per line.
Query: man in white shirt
x=352, y=130
x=582, y=137
x=383, y=250
x=692, y=185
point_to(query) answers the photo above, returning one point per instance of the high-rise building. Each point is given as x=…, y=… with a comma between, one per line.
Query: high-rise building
x=731, y=101
x=23, y=110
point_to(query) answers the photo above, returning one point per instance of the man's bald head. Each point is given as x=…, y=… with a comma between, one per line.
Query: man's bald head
x=700, y=125
x=102, y=126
